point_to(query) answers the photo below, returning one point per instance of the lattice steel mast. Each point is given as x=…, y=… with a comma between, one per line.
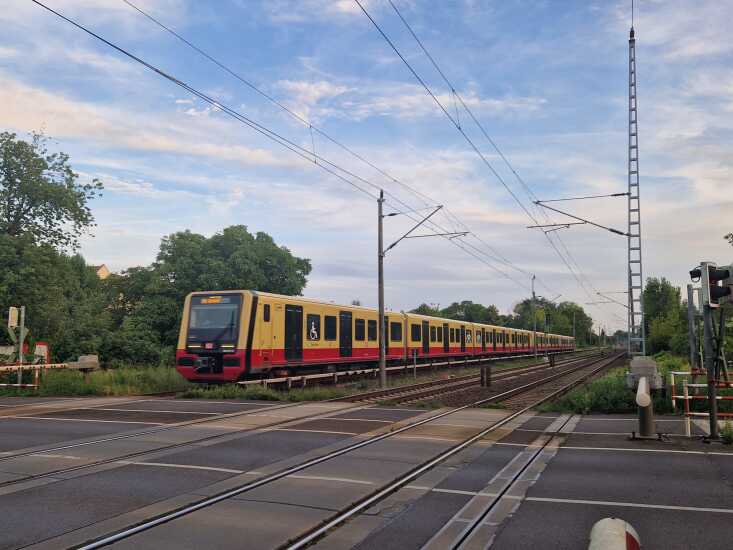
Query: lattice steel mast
x=637, y=336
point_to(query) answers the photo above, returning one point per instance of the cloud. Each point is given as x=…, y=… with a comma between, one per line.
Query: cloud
x=137, y=188
x=303, y=96
x=322, y=99
x=302, y=11
x=27, y=108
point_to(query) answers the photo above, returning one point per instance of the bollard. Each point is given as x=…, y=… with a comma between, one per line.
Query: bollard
x=613, y=534
x=646, y=410
x=486, y=375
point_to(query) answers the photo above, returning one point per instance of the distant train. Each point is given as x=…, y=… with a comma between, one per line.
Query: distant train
x=234, y=334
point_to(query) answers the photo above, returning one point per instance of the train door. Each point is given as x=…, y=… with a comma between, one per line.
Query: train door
x=493, y=338
x=425, y=337
x=446, y=340
x=483, y=339
x=463, y=338
x=293, y=333
x=264, y=344
x=345, y=333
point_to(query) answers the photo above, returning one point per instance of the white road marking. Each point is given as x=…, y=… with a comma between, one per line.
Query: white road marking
x=274, y=415
x=144, y=410
x=631, y=419
x=429, y=438
x=630, y=505
x=232, y=403
x=338, y=479
x=86, y=420
x=312, y=431
x=388, y=409
x=182, y=466
x=640, y=450
x=48, y=455
x=359, y=420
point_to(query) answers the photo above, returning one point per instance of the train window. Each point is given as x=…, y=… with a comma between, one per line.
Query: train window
x=468, y=336
x=452, y=335
x=371, y=330
x=266, y=313
x=359, y=329
x=440, y=334
x=433, y=334
x=313, y=327
x=395, y=332
x=329, y=326
x=415, y=332
x=478, y=336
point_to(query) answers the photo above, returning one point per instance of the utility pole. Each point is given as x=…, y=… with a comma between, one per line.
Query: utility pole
x=380, y=268
x=573, y=325
x=691, y=332
x=707, y=323
x=546, y=331
x=381, y=253
x=534, y=319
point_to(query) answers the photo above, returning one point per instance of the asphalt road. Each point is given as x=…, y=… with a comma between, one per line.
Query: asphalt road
x=676, y=493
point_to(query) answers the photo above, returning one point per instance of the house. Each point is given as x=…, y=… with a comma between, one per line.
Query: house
x=101, y=270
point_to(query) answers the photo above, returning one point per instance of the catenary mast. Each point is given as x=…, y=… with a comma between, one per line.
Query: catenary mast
x=636, y=330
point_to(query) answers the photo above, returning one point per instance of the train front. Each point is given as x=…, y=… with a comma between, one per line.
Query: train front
x=212, y=340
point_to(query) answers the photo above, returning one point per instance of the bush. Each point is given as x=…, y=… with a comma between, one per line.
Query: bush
x=605, y=395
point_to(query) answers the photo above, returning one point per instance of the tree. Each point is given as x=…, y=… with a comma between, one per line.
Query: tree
x=151, y=298
x=40, y=194
x=729, y=237
x=65, y=300
x=660, y=298
x=425, y=309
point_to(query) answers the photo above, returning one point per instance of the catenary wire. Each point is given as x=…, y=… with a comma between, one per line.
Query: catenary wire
x=579, y=276
x=495, y=256
x=295, y=148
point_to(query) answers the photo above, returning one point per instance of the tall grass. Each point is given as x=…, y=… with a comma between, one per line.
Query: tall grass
x=122, y=381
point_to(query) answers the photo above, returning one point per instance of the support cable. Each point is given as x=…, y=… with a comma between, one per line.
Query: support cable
x=314, y=129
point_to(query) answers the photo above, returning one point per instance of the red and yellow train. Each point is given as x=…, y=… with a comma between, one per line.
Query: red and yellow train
x=234, y=334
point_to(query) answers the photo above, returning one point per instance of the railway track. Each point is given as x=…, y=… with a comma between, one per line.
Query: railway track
x=415, y=393
x=590, y=366
x=179, y=425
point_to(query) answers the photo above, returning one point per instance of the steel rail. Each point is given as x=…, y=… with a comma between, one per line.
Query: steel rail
x=472, y=526
x=394, y=369
x=173, y=426
x=499, y=375
x=403, y=480
x=449, y=389
x=172, y=446
x=209, y=501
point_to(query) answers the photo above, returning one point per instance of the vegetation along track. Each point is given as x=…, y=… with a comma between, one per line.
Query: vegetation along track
x=593, y=366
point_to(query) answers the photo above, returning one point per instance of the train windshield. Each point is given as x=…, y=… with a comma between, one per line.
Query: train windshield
x=214, y=318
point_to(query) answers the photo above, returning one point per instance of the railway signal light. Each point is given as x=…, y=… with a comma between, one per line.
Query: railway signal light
x=716, y=283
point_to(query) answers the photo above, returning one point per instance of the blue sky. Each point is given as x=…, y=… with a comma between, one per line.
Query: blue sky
x=547, y=79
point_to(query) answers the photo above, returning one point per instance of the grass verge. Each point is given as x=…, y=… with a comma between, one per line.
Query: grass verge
x=122, y=381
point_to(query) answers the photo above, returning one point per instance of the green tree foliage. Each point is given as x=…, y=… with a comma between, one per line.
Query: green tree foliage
x=65, y=300
x=40, y=195
x=148, y=301
x=665, y=317
x=134, y=318
x=729, y=238
x=560, y=317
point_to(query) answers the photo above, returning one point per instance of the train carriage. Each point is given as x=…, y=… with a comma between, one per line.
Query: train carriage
x=230, y=335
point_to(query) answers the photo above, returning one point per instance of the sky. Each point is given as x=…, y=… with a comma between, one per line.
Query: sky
x=547, y=80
